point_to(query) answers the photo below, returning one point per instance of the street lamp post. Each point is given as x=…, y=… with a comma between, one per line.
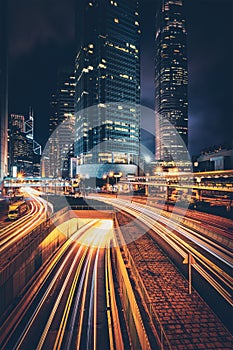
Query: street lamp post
x=110, y=174
x=167, y=195
x=198, y=179
x=55, y=185
x=46, y=195
x=117, y=176
x=107, y=177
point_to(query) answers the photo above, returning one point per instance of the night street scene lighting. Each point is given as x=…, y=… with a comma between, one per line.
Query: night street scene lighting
x=116, y=173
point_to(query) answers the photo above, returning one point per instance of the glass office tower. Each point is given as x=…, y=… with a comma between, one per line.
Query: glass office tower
x=61, y=124
x=107, y=86
x=3, y=89
x=171, y=81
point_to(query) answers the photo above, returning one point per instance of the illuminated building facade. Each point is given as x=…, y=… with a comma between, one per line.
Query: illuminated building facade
x=53, y=114
x=23, y=151
x=108, y=78
x=3, y=89
x=215, y=158
x=18, y=121
x=62, y=102
x=171, y=81
x=61, y=111
x=20, y=146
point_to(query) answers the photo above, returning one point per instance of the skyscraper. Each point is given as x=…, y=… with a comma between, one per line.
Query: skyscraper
x=53, y=113
x=3, y=89
x=108, y=78
x=20, y=149
x=171, y=81
x=61, y=112
x=23, y=150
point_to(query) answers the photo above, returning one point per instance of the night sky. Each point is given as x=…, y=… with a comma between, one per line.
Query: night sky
x=41, y=39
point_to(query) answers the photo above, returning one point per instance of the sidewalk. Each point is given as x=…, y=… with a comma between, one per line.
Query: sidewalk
x=188, y=321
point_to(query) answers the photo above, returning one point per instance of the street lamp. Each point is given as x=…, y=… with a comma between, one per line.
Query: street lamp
x=158, y=169
x=55, y=185
x=107, y=177
x=46, y=194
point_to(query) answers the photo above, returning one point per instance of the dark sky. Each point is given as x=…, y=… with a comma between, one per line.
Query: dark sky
x=41, y=38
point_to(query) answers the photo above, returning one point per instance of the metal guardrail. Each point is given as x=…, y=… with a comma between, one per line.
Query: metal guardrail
x=138, y=335
x=89, y=207
x=164, y=342
x=162, y=338
x=6, y=257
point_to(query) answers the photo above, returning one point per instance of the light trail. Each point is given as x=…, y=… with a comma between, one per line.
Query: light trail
x=73, y=303
x=83, y=302
x=114, y=328
x=56, y=305
x=80, y=266
x=24, y=226
x=41, y=303
x=168, y=233
x=82, y=286
x=18, y=316
x=186, y=232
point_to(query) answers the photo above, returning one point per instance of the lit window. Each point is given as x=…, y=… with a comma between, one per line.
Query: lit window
x=102, y=66
x=124, y=76
x=116, y=20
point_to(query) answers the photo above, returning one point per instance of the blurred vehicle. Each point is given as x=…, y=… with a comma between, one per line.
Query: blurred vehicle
x=17, y=209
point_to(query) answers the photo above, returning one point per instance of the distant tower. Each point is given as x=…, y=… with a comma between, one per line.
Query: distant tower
x=20, y=150
x=3, y=89
x=171, y=80
x=107, y=77
x=29, y=125
x=29, y=131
